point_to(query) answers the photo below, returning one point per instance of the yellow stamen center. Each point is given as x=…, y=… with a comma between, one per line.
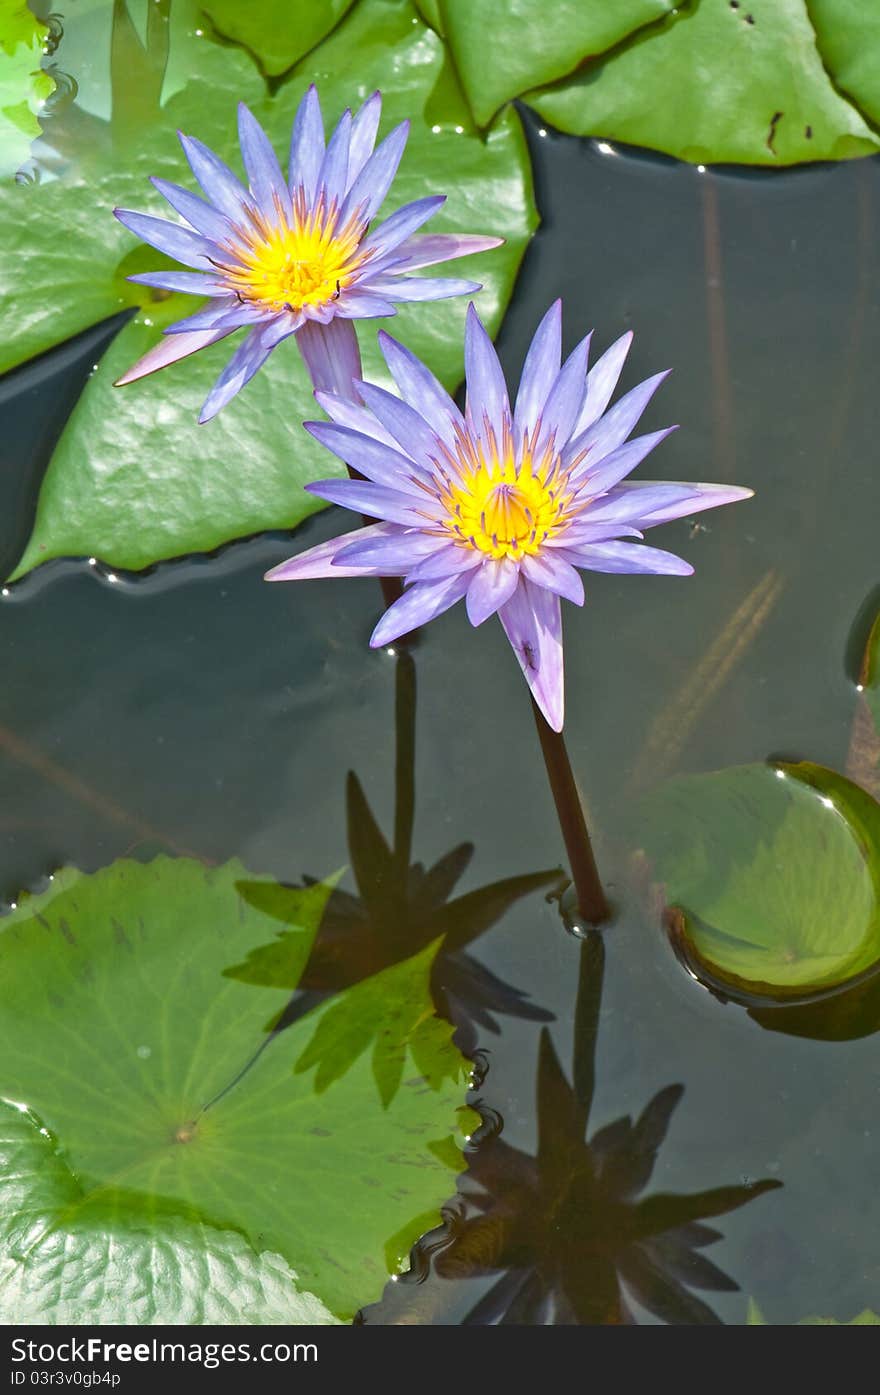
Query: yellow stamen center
x=306, y=259
x=502, y=501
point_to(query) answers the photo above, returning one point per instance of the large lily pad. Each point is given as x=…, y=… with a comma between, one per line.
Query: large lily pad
x=528, y=46
x=848, y=32
x=716, y=82
x=771, y=873
x=134, y=479
x=279, y=32
x=124, y=1032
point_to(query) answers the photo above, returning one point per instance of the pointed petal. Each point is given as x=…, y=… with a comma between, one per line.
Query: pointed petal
x=486, y=388
x=490, y=588
x=540, y=369
x=170, y=349
x=171, y=238
x=430, y=248
x=565, y=398
x=331, y=355
x=602, y=380
x=420, y=603
x=533, y=625
x=422, y=288
x=696, y=498
x=550, y=570
x=333, y=176
x=345, y=412
x=368, y=191
x=247, y=359
x=419, y=387
x=189, y=282
x=373, y=500
x=369, y=457
x=321, y=561
x=364, y=129
x=450, y=560
x=631, y=558
x=403, y=549
x=385, y=240
x=268, y=185
x=200, y=215
x=307, y=145
x=405, y=424
x=226, y=313
x=224, y=189
x=596, y=479
x=613, y=428
x=357, y=304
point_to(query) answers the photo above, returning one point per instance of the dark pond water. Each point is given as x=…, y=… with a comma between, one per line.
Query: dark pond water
x=202, y=710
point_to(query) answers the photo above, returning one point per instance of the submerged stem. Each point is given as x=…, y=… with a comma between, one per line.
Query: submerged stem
x=591, y=900
x=405, y=754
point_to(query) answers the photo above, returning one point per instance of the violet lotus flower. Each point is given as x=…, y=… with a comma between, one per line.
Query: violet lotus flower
x=297, y=255
x=500, y=505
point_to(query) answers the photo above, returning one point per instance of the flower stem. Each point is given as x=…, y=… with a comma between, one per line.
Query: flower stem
x=591, y=900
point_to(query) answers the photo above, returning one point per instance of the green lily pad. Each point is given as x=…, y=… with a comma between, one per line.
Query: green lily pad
x=772, y=874
x=124, y=1032
x=848, y=33
x=24, y=87
x=66, y=1257
x=714, y=82
x=529, y=47
x=134, y=478
x=279, y=32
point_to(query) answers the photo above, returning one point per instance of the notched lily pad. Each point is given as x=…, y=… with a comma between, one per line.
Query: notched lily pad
x=771, y=877
x=716, y=82
x=184, y=1122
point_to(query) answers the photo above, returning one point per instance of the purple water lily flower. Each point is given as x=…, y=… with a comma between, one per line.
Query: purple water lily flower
x=500, y=504
x=298, y=255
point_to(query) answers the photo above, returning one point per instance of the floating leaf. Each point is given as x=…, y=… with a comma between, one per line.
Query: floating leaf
x=772, y=873
x=24, y=87
x=716, y=82
x=279, y=32
x=120, y=1259
x=848, y=33
x=527, y=47
x=123, y=1031
x=134, y=477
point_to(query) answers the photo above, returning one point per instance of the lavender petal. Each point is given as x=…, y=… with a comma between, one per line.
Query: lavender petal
x=228, y=313
x=333, y=175
x=268, y=185
x=331, y=355
x=420, y=603
x=323, y=560
x=307, y=145
x=368, y=191
x=419, y=288
x=540, y=370
x=419, y=387
x=602, y=380
x=613, y=428
x=345, y=412
x=384, y=240
x=533, y=625
x=492, y=585
x=171, y=238
x=200, y=215
x=403, y=422
x=630, y=558
x=364, y=129
x=450, y=560
x=224, y=189
x=370, y=458
x=565, y=398
x=596, y=479
x=556, y=574
x=374, y=500
x=647, y=504
x=247, y=359
x=356, y=304
x=394, y=554
x=169, y=350
x=486, y=389
x=430, y=248
x=189, y=282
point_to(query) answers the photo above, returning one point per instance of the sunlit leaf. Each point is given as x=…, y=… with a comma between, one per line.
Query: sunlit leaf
x=279, y=32
x=134, y=477
x=528, y=48
x=772, y=873
x=124, y=1032
x=848, y=33
x=716, y=82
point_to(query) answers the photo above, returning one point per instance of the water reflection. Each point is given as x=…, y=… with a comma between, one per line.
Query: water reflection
x=401, y=906
x=567, y=1230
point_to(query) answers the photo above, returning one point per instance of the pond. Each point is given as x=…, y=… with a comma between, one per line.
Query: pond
x=194, y=711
